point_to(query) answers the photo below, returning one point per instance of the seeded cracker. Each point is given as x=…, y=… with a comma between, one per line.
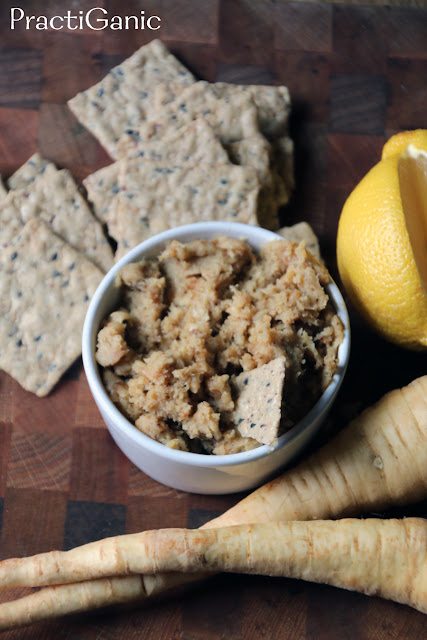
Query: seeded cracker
x=302, y=232
x=45, y=288
x=258, y=406
x=273, y=108
x=231, y=119
x=124, y=98
x=55, y=198
x=189, y=145
x=194, y=142
x=10, y=220
x=273, y=105
x=153, y=198
x=102, y=186
x=256, y=152
x=25, y=175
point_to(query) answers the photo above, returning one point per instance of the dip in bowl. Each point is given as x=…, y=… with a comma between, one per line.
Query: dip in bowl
x=191, y=454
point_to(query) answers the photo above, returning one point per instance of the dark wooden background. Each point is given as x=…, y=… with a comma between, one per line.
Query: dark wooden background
x=357, y=74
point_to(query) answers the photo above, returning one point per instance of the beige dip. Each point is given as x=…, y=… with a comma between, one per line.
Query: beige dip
x=202, y=313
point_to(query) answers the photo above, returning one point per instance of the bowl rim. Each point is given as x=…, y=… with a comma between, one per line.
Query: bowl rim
x=186, y=457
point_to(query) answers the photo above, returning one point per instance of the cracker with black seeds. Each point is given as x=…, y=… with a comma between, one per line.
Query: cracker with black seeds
x=101, y=187
x=124, y=98
x=194, y=142
x=154, y=198
x=273, y=105
x=258, y=406
x=54, y=197
x=45, y=289
x=10, y=220
x=256, y=152
x=231, y=119
x=302, y=232
x=190, y=145
x=29, y=172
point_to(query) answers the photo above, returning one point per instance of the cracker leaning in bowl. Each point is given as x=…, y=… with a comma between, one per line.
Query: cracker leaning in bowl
x=214, y=349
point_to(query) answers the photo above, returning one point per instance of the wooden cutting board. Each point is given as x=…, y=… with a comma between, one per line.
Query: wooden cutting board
x=356, y=76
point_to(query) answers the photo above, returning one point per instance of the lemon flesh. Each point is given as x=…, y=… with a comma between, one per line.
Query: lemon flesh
x=412, y=169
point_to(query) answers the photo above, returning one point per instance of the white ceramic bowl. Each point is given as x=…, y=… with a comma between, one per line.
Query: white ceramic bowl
x=193, y=472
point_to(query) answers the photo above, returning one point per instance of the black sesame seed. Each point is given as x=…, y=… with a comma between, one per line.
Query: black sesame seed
x=86, y=298
x=132, y=133
x=245, y=381
x=54, y=257
x=14, y=255
x=37, y=338
x=224, y=181
x=56, y=274
x=240, y=420
x=253, y=424
x=100, y=92
x=19, y=343
x=72, y=265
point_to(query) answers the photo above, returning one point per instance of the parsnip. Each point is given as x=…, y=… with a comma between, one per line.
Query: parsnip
x=379, y=460
x=382, y=557
x=53, y=602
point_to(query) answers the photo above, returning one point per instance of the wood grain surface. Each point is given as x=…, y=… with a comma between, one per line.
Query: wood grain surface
x=357, y=74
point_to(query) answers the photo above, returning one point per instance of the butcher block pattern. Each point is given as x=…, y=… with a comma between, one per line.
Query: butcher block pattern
x=357, y=74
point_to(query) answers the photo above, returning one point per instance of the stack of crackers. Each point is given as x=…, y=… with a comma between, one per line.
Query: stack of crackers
x=185, y=151
x=53, y=255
